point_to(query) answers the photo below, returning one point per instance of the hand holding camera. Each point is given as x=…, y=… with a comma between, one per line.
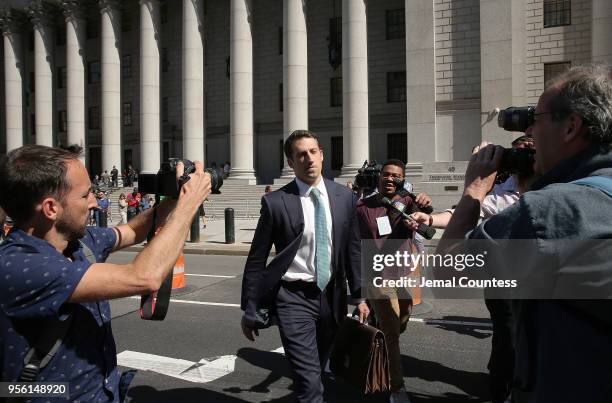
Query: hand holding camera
x=194, y=183
x=482, y=170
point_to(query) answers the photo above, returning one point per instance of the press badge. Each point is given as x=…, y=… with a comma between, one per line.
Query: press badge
x=384, y=225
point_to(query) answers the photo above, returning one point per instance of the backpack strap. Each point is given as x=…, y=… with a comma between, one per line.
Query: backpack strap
x=602, y=183
x=45, y=347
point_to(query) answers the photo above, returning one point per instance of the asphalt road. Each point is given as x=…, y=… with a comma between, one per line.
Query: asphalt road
x=444, y=351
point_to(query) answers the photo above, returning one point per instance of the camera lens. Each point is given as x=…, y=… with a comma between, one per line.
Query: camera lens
x=516, y=119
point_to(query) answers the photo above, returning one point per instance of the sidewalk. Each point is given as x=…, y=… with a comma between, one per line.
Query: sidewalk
x=212, y=240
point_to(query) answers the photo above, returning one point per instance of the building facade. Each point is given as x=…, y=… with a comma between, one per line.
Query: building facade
x=136, y=82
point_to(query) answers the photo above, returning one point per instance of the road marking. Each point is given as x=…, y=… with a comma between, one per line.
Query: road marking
x=451, y=322
x=183, y=301
x=209, y=275
x=418, y=320
x=203, y=371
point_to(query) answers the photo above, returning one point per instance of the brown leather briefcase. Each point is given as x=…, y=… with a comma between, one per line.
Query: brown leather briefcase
x=359, y=357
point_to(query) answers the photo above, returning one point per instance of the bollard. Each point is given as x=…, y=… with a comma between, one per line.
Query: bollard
x=103, y=214
x=194, y=232
x=230, y=236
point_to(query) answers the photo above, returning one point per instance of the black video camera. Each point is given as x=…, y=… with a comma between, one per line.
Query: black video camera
x=367, y=176
x=516, y=160
x=164, y=182
x=516, y=118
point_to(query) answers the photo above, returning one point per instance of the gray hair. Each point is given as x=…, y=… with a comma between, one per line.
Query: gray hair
x=586, y=91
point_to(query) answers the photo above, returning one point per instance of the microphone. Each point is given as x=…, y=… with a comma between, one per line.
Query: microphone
x=425, y=230
x=399, y=185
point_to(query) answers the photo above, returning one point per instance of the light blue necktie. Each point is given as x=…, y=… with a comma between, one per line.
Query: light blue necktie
x=321, y=251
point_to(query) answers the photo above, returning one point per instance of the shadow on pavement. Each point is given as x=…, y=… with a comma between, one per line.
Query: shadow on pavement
x=478, y=331
x=148, y=394
x=474, y=384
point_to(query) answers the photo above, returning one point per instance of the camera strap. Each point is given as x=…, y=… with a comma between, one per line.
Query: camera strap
x=602, y=183
x=154, y=306
x=47, y=345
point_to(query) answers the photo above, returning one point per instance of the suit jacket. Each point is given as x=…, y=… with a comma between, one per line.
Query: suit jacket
x=281, y=224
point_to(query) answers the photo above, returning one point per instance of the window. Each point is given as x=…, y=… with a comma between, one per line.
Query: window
x=31, y=40
x=396, y=27
x=92, y=29
x=33, y=124
x=552, y=70
x=163, y=12
x=32, y=82
x=397, y=146
x=335, y=30
x=164, y=109
x=165, y=151
x=335, y=42
x=337, y=153
x=93, y=72
x=61, y=77
x=62, y=121
x=126, y=111
x=557, y=13
x=60, y=37
x=126, y=22
x=94, y=118
x=126, y=66
x=280, y=40
x=396, y=86
x=335, y=91
x=280, y=97
x=164, y=60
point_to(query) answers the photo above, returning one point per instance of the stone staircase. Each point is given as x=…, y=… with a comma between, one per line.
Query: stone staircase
x=244, y=199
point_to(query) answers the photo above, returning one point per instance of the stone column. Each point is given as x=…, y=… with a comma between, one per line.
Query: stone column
x=601, y=31
x=241, y=93
x=193, y=81
x=355, y=118
x=420, y=87
x=12, y=27
x=150, y=140
x=41, y=15
x=75, y=73
x=111, y=84
x=295, y=71
x=502, y=81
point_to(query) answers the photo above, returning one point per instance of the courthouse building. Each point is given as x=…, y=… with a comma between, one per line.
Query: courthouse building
x=136, y=82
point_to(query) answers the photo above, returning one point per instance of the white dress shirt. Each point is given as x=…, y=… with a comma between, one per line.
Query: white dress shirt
x=500, y=198
x=303, y=266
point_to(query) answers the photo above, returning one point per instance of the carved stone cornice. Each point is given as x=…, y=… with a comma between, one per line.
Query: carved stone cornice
x=109, y=5
x=73, y=9
x=11, y=20
x=41, y=13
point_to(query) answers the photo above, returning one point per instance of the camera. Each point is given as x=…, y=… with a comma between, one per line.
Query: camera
x=516, y=160
x=516, y=118
x=164, y=182
x=368, y=175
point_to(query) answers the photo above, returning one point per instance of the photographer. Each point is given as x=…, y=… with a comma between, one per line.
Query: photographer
x=562, y=346
x=393, y=306
x=50, y=280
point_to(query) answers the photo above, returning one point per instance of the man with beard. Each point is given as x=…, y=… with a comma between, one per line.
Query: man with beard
x=392, y=306
x=50, y=279
x=311, y=223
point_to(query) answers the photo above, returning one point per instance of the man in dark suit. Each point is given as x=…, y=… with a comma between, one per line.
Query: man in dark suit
x=313, y=226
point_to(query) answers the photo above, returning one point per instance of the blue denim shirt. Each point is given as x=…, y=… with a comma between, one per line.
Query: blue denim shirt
x=36, y=283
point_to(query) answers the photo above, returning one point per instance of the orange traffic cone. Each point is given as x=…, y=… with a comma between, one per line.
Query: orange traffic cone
x=178, y=274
